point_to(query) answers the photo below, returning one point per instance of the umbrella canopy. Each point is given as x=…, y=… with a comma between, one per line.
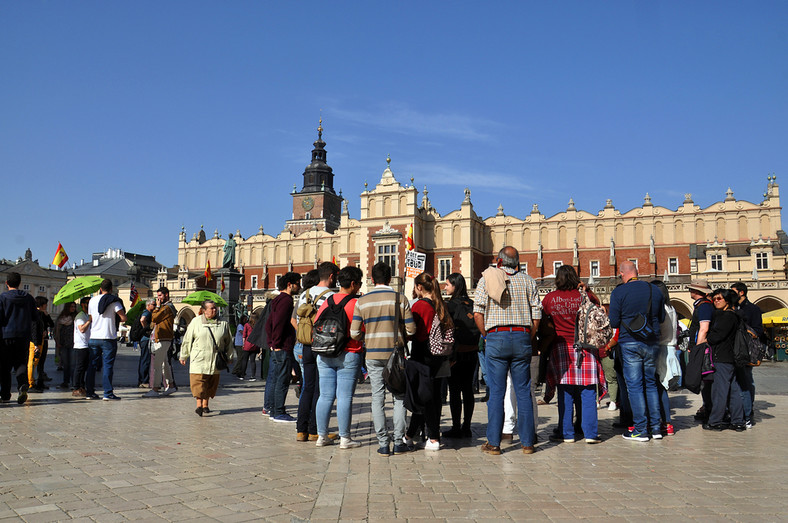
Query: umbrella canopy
x=77, y=288
x=135, y=312
x=778, y=316
x=196, y=298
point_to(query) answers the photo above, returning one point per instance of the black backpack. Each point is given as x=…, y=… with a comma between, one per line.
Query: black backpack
x=747, y=347
x=331, y=330
x=137, y=331
x=465, y=330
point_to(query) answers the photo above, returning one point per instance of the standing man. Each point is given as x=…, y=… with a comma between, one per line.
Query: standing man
x=698, y=330
x=281, y=339
x=637, y=308
x=81, y=353
x=306, y=422
x=374, y=320
x=753, y=317
x=146, y=320
x=17, y=315
x=163, y=318
x=104, y=310
x=507, y=313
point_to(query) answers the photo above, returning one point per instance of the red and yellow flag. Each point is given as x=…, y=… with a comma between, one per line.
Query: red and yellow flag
x=208, y=276
x=409, y=245
x=222, y=285
x=334, y=260
x=61, y=257
x=134, y=296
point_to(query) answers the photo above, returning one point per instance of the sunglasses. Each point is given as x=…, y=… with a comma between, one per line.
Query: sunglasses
x=718, y=298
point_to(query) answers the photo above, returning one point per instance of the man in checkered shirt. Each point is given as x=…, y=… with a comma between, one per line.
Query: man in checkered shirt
x=507, y=312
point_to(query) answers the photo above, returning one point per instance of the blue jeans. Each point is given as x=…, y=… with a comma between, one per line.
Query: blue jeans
x=268, y=395
x=375, y=368
x=337, y=377
x=639, y=361
x=280, y=368
x=298, y=354
x=509, y=352
x=143, y=373
x=102, y=356
x=747, y=386
x=726, y=395
x=584, y=398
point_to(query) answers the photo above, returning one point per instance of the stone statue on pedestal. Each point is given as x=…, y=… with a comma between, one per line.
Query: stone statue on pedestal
x=228, y=262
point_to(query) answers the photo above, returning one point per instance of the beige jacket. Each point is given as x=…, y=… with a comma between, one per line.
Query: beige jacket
x=495, y=279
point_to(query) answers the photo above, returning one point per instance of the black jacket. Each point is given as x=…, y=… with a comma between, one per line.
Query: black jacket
x=17, y=314
x=721, y=335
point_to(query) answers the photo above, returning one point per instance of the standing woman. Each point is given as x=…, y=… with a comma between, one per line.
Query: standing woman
x=204, y=339
x=466, y=346
x=64, y=341
x=249, y=354
x=428, y=305
x=725, y=392
x=576, y=373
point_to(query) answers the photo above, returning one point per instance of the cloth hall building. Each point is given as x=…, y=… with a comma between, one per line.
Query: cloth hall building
x=729, y=241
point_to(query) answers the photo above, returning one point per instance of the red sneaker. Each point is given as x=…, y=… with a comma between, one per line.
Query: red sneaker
x=669, y=430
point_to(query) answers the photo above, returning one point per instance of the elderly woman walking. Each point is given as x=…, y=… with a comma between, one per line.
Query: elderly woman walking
x=206, y=341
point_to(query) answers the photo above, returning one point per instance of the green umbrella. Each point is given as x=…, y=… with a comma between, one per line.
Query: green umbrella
x=133, y=313
x=77, y=288
x=196, y=298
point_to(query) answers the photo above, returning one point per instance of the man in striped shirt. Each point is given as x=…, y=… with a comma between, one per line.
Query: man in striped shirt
x=374, y=321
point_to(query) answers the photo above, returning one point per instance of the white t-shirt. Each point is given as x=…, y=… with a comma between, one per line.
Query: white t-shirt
x=81, y=339
x=103, y=327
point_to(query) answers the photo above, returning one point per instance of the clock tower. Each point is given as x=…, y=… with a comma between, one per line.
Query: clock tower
x=316, y=206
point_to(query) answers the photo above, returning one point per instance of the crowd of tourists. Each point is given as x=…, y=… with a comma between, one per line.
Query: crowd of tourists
x=415, y=351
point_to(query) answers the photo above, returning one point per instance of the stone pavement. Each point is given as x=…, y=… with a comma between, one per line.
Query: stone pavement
x=155, y=460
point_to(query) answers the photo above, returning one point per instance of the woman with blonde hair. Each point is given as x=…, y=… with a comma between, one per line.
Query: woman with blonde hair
x=429, y=304
x=206, y=341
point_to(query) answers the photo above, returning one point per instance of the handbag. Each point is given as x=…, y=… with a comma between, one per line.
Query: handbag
x=394, y=371
x=640, y=327
x=221, y=362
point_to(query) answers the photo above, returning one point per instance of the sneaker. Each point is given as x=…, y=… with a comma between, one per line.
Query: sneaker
x=669, y=430
x=151, y=394
x=612, y=406
x=22, y=395
x=93, y=396
x=323, y=441
x=110, y=397
x=265, y=412
x=592, y=441
x=251, y=379
x=384, y=451
x=401, y=448
x=432, y=445
x=558, y=438
x=78, y=393
x=748, y=424
x=633, y=436
x=657, y=435
x=701, y=414
x=347, y=443
x=491, y=449
x=284, y=418
x=738, y=428
x=143, y=386
x=241, y=378
x=169, y=390
x=409, y=442
x=720, y=427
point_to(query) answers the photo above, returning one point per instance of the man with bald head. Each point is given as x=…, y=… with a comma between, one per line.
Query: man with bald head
x=507, y=313
x=637, y=308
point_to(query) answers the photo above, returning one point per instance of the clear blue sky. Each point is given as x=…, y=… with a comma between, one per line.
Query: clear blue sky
x=122, y=121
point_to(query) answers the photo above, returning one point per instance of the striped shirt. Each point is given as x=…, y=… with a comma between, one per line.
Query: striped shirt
x=519, y=305
x=373, y=320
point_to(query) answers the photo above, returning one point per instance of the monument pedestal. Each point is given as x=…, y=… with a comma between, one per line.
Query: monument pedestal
x=231, y=293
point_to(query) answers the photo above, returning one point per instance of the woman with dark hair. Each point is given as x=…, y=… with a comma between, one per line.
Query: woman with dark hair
x=428, y=305
x=205, y=337
x=667, y=363
x=576, y=373
x=725, y=391
x=250, y=350
x=64, y=340
x=464, y=359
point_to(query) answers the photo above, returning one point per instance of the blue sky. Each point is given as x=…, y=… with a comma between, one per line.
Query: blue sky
x=120, y=122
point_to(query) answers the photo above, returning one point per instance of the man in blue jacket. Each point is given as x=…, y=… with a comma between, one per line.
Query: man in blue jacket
x=17, y=314
x=637, y=308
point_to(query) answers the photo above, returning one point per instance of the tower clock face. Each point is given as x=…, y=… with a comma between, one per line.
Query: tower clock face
x=307, y=203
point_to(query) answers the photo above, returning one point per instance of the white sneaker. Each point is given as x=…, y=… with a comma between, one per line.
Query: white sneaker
x=432, y=445
x=347, y=443
x=612, y=406
x=409, y=442
x=323, y=441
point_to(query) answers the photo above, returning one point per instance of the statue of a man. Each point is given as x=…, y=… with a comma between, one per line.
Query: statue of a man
x=228, y=262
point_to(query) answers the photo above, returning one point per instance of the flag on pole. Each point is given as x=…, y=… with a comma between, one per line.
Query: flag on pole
x=334, y=260
x=409, y=238
x=134, y=296
x=61, y=257
x=222, y=285
x=208, y=276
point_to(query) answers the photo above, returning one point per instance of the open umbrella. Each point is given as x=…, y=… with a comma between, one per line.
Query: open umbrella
x=778, y=316
x=196, y=298
x=77, y=288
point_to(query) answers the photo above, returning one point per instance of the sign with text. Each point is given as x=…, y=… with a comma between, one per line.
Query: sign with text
x=415, y=262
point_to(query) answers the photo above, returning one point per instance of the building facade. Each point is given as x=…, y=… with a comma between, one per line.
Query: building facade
x=729, y=241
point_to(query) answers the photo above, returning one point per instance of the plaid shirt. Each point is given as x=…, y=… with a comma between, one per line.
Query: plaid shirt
x=519, y=305
x=564, y=370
